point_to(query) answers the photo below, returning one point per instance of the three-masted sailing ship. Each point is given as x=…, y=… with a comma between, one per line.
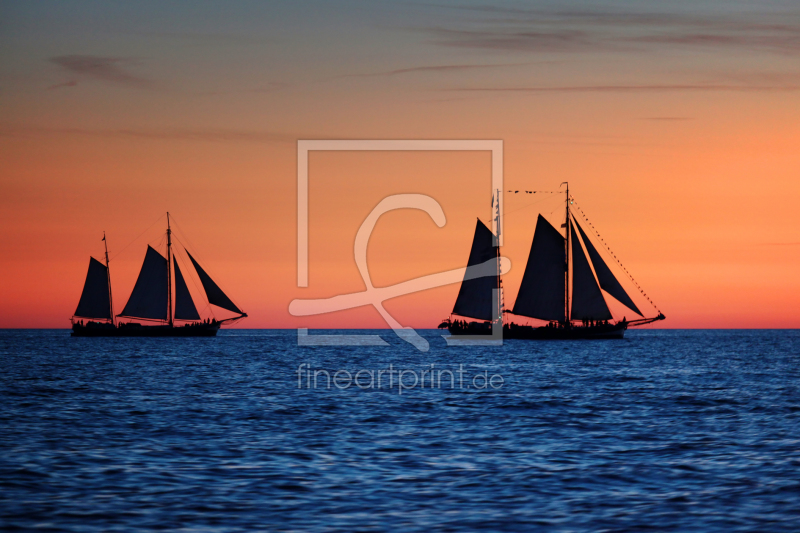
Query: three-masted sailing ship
x=151, y=299
x=556, y=264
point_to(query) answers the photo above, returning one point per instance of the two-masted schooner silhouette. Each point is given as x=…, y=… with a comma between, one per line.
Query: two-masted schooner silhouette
x=556, y=263
x=151, y=300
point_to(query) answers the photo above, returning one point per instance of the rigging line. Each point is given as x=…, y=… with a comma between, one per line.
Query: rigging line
x=505, y=214
x=185, y=236
x=186, y=269
x=210, y=310
x=161, y=241
x=191, y=244
x=194, y=281
x=608, y=249
x=137, y=238
x=198, y=255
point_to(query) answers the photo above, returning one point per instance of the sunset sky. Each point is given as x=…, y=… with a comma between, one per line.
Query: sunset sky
x=677, y=125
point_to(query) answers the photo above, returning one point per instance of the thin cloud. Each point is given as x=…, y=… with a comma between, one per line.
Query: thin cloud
x=71, y=83
x=567, y=40
x=211, y=38
x=103, y=68
x=780, y=40
x=431, y=69
x=271, y=87
x=563, y=31
x=187, y=134
x=446, y=68
x=632, y=88
x=722, y=20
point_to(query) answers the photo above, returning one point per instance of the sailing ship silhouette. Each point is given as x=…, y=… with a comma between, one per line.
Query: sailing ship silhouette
x=544, y=293
x=151, y=299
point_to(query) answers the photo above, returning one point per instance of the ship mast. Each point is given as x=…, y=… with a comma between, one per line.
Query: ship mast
x=566, y=257
x=497, y=250
x=169, y=272
x=108, y=274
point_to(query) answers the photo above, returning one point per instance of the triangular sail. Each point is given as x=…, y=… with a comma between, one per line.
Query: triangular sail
x=213, y=292
x=94, y=302
x=149, y=296
x=587, y=300
x=184, y=306
x=541, y=293
x=475, y=297
x=608, y=282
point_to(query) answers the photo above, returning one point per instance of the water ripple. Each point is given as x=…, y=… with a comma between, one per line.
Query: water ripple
x=665, y=431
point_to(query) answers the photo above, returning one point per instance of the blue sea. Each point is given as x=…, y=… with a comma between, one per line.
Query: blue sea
x=663, y=431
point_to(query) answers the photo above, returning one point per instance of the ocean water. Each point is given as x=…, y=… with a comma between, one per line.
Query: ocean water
x=663, y=431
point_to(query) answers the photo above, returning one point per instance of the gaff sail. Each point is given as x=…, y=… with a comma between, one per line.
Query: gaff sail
x=541, y=293
x=475, y=297
x=94, y=302
x=149, y=296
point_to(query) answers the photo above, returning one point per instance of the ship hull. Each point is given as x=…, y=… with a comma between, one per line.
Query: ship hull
x=99, y=329
x=514, y=331
x=608, y=331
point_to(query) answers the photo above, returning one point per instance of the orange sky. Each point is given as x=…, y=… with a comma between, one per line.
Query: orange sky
x=684, y=154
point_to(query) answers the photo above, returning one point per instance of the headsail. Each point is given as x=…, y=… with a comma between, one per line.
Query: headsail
x=541, y=294
x=149, y=296
x=184, y=306
x=587, y=300
x=94, y=302
x=213, y=292
x=608, y=282
x=475, y=297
